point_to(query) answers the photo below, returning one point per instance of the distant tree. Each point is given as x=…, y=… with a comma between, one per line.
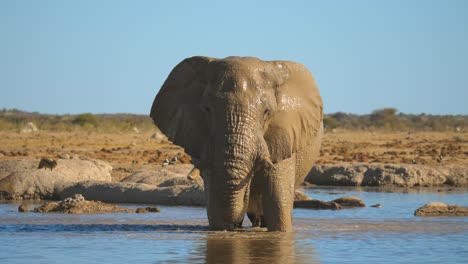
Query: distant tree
x=330, y=122
x=85, y=119
x=384, y=118
x=339, y=116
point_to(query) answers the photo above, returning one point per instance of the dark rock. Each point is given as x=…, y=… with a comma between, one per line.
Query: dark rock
x=147, y=210
x=317, y=204
x=23, y=208
x=335, y=193
x=349, y=201
x=441, y=209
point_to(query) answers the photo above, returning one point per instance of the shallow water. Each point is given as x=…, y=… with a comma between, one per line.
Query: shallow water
x=391, y=234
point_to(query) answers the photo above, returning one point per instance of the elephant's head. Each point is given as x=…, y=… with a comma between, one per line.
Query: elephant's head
x=236, y=116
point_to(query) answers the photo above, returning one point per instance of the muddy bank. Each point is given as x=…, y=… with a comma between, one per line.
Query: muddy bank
x=78, y=205
x=21, y=179
x=118, y=192
x=399, y=175
x=167, y=186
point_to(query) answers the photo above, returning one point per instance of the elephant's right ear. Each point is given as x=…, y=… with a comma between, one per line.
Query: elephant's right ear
x=176, y=109
x=297, y=120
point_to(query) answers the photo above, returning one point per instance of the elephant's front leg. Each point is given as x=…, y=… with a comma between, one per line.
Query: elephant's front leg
x=278, y=195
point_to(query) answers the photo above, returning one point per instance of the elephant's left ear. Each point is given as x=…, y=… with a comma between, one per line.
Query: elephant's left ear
x=298, y=117
x=176, y=109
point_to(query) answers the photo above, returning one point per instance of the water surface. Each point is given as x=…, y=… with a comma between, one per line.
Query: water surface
x=391, y=234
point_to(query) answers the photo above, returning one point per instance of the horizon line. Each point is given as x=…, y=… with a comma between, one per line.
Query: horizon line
x=135, y=113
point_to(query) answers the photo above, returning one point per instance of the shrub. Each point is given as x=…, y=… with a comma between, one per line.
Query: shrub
x=87, y=119
x=330, y=122
x=385, y=118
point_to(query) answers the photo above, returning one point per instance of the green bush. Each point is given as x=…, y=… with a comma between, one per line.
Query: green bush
x=330, y=122
x=386, y=119
x=86, y=120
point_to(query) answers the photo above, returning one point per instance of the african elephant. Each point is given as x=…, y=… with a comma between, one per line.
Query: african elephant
x=253, y=129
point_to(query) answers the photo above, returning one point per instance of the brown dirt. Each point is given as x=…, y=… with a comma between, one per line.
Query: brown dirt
x=126, y=152
x=130, y=152
x=428, y=148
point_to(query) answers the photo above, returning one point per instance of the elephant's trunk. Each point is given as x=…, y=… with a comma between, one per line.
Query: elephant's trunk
x=228, y=189
x=227, y=203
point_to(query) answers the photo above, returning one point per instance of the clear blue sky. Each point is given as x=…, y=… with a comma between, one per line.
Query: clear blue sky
x=112, y=56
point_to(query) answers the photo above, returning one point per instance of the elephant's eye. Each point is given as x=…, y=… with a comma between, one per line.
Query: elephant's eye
x=206, y=109
x=266, y=114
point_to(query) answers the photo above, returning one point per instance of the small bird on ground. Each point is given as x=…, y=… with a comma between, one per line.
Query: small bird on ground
x=47, y=163
x=165, y=162
x=173, y=160
x=440, y=158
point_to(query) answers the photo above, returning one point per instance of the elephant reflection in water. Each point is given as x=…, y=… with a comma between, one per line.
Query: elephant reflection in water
x=255, y=249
